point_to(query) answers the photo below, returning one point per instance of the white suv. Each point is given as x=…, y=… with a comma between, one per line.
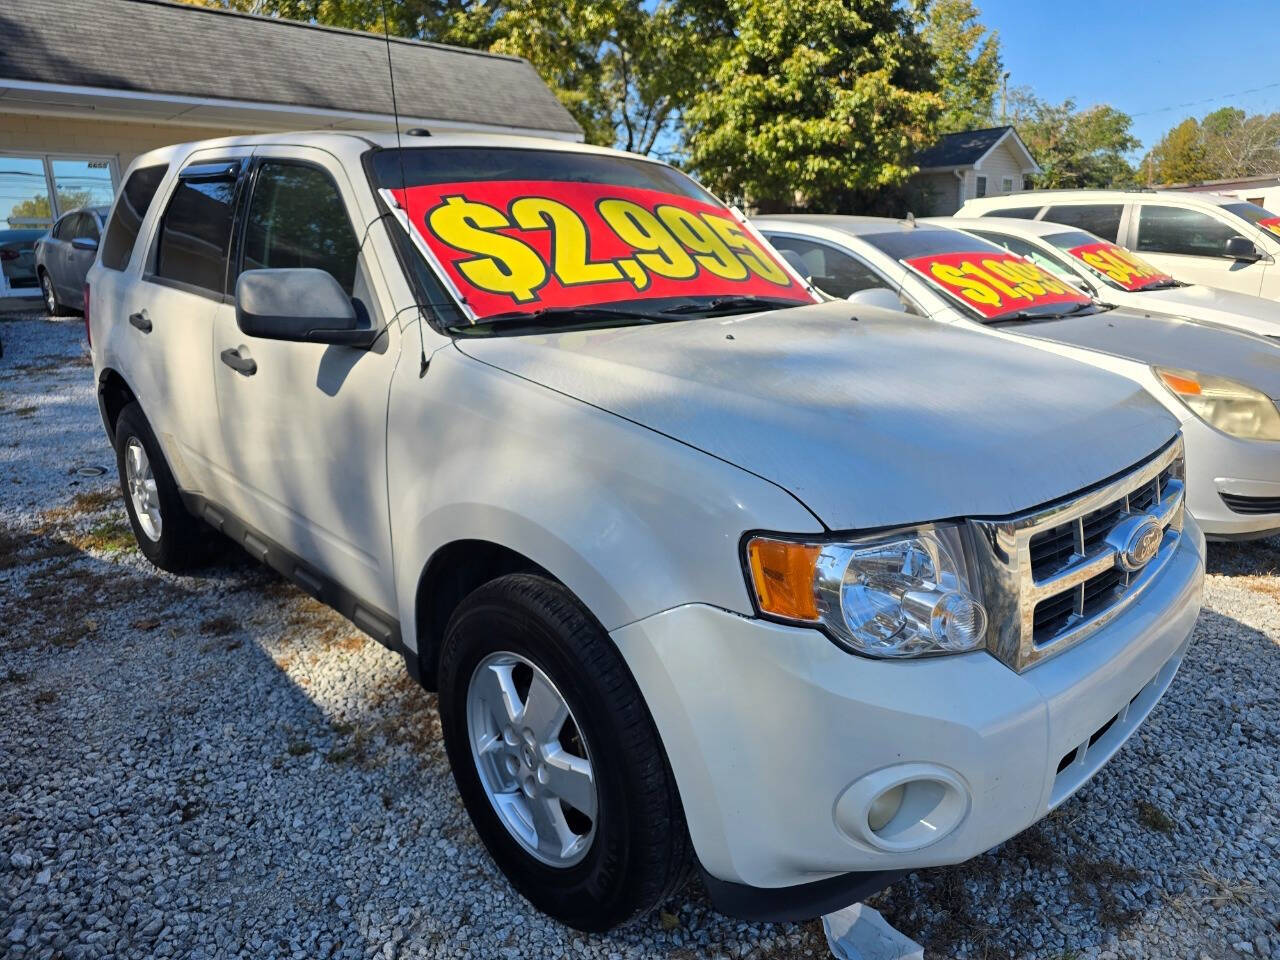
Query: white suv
x=704, y=572
x=1194, y=237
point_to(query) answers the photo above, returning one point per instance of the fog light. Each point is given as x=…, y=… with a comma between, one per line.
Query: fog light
x=885, y=807
x=903, y=808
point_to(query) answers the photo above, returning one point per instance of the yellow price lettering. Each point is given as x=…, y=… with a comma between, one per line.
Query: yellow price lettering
x=970, y=288
x=747, y=250
x=572, y=265
x=657, y=250
x=500, y=264
x=709, y=250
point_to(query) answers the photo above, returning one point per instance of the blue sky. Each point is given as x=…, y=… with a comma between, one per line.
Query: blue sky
x=1143, y=55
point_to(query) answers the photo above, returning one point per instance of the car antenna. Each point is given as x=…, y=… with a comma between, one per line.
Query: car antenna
x=423, y=362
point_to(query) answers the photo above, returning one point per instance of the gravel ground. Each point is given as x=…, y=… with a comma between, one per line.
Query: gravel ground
x=217, y=766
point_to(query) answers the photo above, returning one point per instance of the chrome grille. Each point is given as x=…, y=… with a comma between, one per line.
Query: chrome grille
x=1053, y=576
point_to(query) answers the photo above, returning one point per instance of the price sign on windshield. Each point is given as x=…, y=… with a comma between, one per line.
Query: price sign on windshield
x=515, y=246
x=994, y=283
x=1270, y=223
x=1119, y=265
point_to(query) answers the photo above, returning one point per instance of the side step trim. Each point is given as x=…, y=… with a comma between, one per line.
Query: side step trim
x=377, y=623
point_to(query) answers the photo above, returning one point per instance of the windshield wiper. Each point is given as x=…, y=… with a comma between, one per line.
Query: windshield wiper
x=557, y=316
x=730, y=305
x=1030, y=315
x=1161, y=285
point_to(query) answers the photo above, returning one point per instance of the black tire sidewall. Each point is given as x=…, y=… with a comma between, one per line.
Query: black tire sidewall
x=598, y=892
x=176, y=548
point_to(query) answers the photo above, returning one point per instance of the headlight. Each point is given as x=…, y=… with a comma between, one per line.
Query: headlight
x=1225, y=404
x=909, y=594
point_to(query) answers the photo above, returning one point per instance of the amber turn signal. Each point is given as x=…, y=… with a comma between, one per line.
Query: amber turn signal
x=783, y=573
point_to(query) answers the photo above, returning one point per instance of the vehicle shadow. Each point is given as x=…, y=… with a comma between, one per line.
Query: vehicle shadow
x=1249, y=558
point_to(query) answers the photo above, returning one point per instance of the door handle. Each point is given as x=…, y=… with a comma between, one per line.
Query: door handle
x=141, y=321
x=246, y=365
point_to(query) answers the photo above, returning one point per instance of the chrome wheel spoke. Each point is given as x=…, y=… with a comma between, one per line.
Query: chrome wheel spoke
x=544, y=712
x=569, y=778
x=543, y=794
x=143, y=490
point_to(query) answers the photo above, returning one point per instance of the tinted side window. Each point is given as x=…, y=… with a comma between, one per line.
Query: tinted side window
x=297, y=219
x=62, y=229
x=1020, y=213
x=1102, y=219
x=833, y=272
x=139, y=190
x=85, y=227
x=195, y=233
x=1176, y=230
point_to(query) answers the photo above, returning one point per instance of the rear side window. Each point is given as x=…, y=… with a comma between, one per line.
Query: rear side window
x=1019, y=213
x=297, y=219
x=1178, y=230
x=1102, y=219
x=195, y=233
x=122, y=232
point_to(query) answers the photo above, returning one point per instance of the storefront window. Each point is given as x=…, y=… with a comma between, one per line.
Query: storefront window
x=82, y=183
x=24, y=193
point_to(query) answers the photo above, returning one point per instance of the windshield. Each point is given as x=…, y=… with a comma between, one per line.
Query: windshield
x=1258, y=216
x=989, y=282
x=1113, y=264
x=542, y=235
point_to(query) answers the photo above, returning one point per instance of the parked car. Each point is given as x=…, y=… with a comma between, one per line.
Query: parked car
x=1113, y=274
x=1222, y=384
x=1197, y=237
x=667, y=535
x=64, y=256
x=17, y=261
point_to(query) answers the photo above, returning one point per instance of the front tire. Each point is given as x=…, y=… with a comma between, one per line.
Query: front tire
x=556, y=757
x=167, y=534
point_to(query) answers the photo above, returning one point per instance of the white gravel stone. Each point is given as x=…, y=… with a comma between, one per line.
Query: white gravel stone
x=216, y=766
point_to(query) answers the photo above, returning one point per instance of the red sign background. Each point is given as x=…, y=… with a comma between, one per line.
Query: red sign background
x=1118, y=264
x=481, y=233
x=994, y=283
x=1270, y=223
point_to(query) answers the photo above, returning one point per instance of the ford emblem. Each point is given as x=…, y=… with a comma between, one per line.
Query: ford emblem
x=1137, y=541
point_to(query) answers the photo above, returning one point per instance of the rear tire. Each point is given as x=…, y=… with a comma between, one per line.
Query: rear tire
x=168, y=536
x=634, y=853
x=51, y=302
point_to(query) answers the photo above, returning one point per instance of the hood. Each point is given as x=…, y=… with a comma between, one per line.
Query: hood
x=1168, y=341
x=869, y=417
x=1240, y=311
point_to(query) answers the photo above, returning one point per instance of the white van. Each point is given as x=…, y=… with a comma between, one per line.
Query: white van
x=1194, y=237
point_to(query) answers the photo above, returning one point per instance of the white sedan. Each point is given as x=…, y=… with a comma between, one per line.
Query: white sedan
x=1223, y=385
x=1116, y=275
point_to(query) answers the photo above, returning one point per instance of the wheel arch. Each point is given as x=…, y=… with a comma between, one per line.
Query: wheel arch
x=453, y=571
x=114, y=394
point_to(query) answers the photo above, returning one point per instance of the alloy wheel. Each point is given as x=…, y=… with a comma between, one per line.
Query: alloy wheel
x=141, y=483
x=532, y=759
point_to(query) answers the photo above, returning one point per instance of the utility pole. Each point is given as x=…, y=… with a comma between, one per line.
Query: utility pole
x=1004, y=99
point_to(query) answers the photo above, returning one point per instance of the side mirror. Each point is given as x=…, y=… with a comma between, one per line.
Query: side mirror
x=1242, y=249
x=89, y=244
x=878, y=297
x=299, y=304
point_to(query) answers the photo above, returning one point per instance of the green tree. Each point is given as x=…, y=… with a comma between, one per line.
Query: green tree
x=968, y=67
x=1181, y=156
x=811, y=101
x=1075, y=148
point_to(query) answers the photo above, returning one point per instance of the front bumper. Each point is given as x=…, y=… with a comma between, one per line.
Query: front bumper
x=1219, y=464
x=767, y=727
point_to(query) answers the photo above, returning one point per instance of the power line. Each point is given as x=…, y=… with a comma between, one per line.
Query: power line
x=1196, y=103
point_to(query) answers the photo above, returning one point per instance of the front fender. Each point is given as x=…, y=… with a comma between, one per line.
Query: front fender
x=632, y=521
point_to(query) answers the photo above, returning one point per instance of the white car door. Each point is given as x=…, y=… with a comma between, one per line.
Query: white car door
x=304, y=424
x=169, y=311
x=1189, y=244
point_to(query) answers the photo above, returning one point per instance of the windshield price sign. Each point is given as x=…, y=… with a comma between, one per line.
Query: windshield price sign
x=994, y=283
x=1119, y=265
x=515, y=246
x=1270, y=223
